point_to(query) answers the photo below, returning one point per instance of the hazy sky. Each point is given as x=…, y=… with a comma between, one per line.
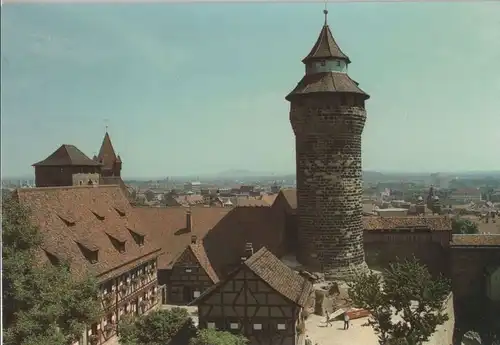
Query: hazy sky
x=199, y=88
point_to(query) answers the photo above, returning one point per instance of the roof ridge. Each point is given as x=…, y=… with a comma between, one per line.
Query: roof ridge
x=38, y=189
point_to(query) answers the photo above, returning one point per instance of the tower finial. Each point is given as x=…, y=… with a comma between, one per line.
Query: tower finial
x=325, y=11
x=106, y=125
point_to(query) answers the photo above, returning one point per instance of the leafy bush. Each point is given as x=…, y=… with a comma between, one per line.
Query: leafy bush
x=214, y=337
x=42, y=303
x=408, y=289
x=157, y=327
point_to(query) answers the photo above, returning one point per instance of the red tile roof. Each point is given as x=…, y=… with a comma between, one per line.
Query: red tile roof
x=88, y=215
x=435, y=223
x=290, y=195
x=251, y=202
x=213, y=226
x=168, y=227
x=67, y=155
x=260, y=226
x=476, y=240
x=199, y=252
x=279, y=276
x=269, y=198
x=273, y=272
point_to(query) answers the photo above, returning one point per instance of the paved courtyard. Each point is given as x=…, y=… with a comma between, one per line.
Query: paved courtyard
x=358, y=334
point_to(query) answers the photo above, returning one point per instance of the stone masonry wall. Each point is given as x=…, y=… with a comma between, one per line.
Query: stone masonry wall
x=329, y=184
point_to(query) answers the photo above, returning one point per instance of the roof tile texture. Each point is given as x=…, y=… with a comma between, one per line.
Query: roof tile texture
x=326, y=82
x=279, y=276
x=67, y=155
x=50, y=206
x=476, y=240
x=214, y=227
x=201, y=255
x=326, y=47
x=434, y=223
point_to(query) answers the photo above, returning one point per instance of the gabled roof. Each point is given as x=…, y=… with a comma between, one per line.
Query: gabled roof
x=274, y=273
x=200, y=254
x=279, y=276
x=168, y=227
x=326, y=47
x=67, y=155
x=290, y=195
x=107, y=155
x=88, y=230
x=213, y=225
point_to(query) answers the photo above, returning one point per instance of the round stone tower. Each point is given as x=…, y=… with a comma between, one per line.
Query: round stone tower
x=327, y=113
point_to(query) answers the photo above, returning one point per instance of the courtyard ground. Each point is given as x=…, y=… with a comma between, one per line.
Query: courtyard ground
x=359, y=334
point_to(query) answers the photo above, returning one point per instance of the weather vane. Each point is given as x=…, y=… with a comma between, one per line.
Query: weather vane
x=106, y=124
x=325, y=11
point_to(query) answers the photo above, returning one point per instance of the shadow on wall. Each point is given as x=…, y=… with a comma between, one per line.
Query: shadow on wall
x=380, y=255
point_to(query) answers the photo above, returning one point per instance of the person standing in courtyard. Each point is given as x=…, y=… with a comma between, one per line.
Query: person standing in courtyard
x=346, y=321
x=328, y=320
x=308, y=341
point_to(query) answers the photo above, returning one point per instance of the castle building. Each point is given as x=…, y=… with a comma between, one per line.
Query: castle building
x=111, y=162
x=327, y=114
x=67, y=166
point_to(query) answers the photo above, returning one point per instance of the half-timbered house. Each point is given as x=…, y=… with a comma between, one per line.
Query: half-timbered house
x=261, y=299
x=95, y=229
x=191, y=274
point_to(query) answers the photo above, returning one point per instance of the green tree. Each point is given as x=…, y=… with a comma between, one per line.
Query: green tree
x=158, y=327
x=42, y=303
x=214, y=337
x=463, y=226
x=407, y=290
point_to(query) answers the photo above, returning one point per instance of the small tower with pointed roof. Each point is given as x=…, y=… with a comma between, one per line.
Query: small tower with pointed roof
x=327, y=114
x=111, y=162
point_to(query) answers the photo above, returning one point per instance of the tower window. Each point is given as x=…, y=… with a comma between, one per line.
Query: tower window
x=323, y=63
x=338, y=63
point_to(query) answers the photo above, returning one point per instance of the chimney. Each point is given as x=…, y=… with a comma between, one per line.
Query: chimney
x=188, y=220
x=193, y=239
x=248, y=252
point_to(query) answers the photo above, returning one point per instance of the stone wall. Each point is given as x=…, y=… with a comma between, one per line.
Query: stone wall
x=384, y=248
x=329, y=185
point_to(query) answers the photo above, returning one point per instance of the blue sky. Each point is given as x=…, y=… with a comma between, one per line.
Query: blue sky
x=199, y=88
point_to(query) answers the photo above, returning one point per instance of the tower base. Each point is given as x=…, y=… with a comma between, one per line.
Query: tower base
x=347, y=273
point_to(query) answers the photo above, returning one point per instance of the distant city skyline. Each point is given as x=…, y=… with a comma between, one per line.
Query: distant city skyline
x=197, y=89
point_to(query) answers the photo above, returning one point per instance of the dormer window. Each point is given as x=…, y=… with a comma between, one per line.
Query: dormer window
x=98, y=215
x=90, y=251
x=67, y=220
x=119, y=244
x=54, y=260
x=120, y=211
x=138, y=238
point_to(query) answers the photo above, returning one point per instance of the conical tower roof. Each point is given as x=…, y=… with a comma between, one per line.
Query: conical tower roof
x=107, y=155
x=326, y=47
x=325, y=81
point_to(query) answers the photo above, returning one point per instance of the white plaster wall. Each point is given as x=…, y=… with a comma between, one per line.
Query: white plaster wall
x=444, y=333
